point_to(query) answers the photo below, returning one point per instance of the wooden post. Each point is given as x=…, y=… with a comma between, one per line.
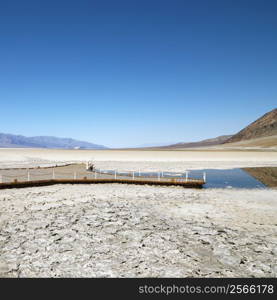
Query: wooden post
x=133, y=175
x=139, y=173
x=28, y=176
x=204, y=177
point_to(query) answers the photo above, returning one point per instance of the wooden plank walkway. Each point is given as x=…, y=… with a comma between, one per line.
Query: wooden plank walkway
x=21, y=184
x=77, y=174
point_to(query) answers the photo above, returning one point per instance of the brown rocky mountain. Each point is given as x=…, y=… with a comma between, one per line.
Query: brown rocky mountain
x=209, y=142
x=262, y=127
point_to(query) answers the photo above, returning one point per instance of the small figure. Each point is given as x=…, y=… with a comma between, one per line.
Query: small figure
x=89, y=166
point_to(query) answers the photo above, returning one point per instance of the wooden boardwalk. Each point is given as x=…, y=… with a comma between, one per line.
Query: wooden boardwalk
x=21, y=184
x=77, y=174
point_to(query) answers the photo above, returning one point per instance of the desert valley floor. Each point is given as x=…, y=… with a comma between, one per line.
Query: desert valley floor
x=114, y=230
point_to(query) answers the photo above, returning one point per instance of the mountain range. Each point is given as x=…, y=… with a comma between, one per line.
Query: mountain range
x=204, y=143
x=262, y=132
x=265, y=126
x=20, y=141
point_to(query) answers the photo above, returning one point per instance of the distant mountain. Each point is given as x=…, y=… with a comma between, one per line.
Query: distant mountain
x=147, y=145
x=19, y=141
x=209, y=142
x=263, y=127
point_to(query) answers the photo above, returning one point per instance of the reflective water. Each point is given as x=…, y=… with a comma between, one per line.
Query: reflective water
x=230, y=178
x=215, y=178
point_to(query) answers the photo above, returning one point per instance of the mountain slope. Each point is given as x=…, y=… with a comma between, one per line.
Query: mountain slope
x=209, y=142
x=262, y=127
x=10, y=140
x=262, y=142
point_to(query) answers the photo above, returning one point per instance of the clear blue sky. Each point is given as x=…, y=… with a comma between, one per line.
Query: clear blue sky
x=125, y=73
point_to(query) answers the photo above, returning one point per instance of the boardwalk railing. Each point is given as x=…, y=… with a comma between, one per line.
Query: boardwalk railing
x=60, y=175
x=149, y=175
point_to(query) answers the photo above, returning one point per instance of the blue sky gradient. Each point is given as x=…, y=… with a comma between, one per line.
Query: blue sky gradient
x=125, y=73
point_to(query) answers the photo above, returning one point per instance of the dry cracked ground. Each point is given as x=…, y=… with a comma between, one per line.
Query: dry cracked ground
x=118, y=230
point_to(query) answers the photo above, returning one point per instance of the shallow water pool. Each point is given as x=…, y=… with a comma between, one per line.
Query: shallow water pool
x=219, y=178
x=230, y=178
